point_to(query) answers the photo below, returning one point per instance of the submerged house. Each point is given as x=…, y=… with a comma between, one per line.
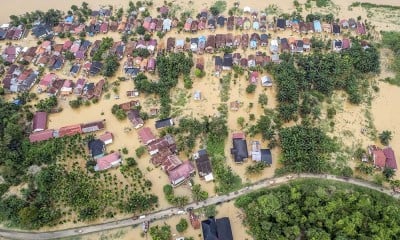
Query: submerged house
x=203, y=165
x=108, y=161
x=239, y=149
x=214, y=229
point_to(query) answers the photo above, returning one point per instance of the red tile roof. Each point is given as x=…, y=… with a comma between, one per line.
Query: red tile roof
x=146, y=136
x=41, y=136
x=108, y=161
x=39, y=122
x=181, y=173
x=390, y=158
x=239, y=135
x=70, y=130
x=379, y=157
x=107, y=136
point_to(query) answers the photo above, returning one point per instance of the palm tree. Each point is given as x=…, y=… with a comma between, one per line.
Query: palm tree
x=385, y=137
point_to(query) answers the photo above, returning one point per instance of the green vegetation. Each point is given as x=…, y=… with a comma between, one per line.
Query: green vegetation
x=391, y=40
x=47, y=104
x=256, y=168
x=182, y=225
x=110, y=66
x=105, y=45
x=160, y=233
x=119, y=113
x=140, y=151
x=198, y=194
x=225, y=82
x=371, y=5
x=251, y=88
x=320, y=209
x=385, y=137
x=321, y=74
x=305, y=149
x=141, y=52
x=51, y=17
x=169, y=68
x=218, y=7
x=179, y=201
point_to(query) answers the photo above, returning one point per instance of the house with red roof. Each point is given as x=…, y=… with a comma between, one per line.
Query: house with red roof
x=390, y=158
x=47, y=81
x=377, y=156
x=146, y=136
x=108, y=161
x=165, y=142
x=70, y=130
x=107, y=138
x=254, y=76
x=41, y=136
x=181, y=173
x=39, y=122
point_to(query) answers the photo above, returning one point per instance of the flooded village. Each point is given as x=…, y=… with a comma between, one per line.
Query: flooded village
x=90, y=66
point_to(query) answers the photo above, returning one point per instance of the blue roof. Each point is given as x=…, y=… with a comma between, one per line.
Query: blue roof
x=202, y=39
x=69, y=19
x=253, y=43
x=317, y=26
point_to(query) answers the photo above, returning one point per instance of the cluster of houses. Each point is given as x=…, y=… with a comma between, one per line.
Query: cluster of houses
x=41, y=133
x=133, y=113
x=97, y=151
x=382, y=158
x=240, y=151
x=163, y=153
x=54, y=86
x=19, y=78
x=8, y=32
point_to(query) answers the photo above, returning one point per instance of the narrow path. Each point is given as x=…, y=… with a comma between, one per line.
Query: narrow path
x=173, y=211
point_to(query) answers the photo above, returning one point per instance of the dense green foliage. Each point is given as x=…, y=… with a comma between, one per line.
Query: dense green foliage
x=169, y=68
x=179, y=201
x=323, y=73
x=305, y=149
x=320, y=209
x=161, y=233
x=198, y=194
x=111, y=65
x=391, y=40
x=105, y=45
x=182, y=225
x=47, y=104
x=385, y=137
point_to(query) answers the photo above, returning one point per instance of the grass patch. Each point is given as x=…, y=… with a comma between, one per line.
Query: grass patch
x=393, y=81
x=225, y=87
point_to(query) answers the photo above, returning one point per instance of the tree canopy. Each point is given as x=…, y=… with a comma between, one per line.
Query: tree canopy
x=320, y=209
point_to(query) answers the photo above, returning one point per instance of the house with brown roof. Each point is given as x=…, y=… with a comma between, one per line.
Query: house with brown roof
x=170, y=162
x=92, y=126
x=220, y=40
x=234, y=105
x=129, y=105
x=210, y=44
x=181, y=173
x=109, y=161
x=165, y=142
x=39, y=122
x=170, y=44
x=245, y=40
x=146, y=136
x=230, y=25
x=41, y=136
x=135, y=119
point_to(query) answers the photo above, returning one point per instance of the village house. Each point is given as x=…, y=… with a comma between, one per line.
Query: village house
x=132, y=93
x=181, y=173
x=217, y=229
x=266, y=81
x=96, y=148
x=106, y=138
x=67, y=87
x=254, y=77
x=39, y=121
x=109, y=161
x=46, y=81
x=11, y=53
x=80, y=83
x=134, y=117
x=203, y=165
x=41, y=135
x=92, y=126
x=162, y=123
x=165, y=142
x=146, y=136
x=239, y=149
x=68, y=130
